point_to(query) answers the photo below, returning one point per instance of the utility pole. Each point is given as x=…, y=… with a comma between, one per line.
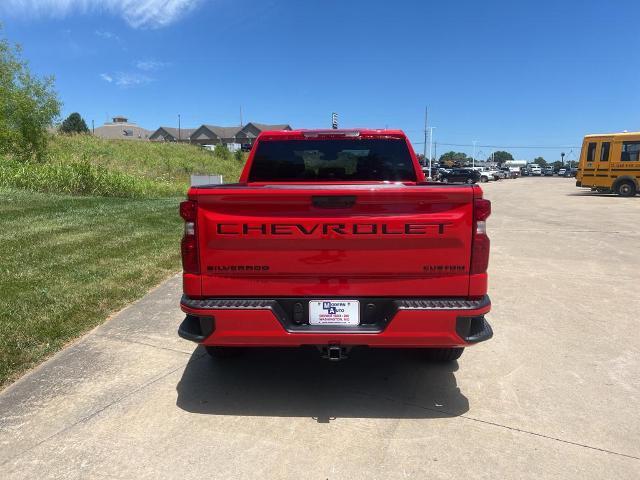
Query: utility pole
x=241, y=116
x=473, y=159
x=424, y=148
x=430, y=150
x=179, y=129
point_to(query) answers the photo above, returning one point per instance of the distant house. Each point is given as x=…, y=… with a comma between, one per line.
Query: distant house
x=122, y=129
x=251, y=130
x=170, y=134
x=214, y=134
x=233, y=137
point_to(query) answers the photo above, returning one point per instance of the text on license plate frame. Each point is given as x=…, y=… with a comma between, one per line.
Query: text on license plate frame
x=334, y=312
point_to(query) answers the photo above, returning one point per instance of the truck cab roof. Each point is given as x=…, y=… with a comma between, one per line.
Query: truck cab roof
x=301, y=134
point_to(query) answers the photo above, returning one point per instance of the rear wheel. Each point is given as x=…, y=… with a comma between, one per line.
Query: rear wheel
x=223, y=352
x=484, y=179
x=443, y=354
x=626, y=189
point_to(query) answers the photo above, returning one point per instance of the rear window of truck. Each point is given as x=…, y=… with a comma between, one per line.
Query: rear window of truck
x=333, y=160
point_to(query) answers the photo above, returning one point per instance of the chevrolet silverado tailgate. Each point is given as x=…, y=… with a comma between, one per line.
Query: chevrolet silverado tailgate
x=334, y=240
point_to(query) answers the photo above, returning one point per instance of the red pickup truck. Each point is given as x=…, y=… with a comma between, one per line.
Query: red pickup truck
x=333, y=238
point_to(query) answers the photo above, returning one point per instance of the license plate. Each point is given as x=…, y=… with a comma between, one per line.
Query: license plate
x=334, y=312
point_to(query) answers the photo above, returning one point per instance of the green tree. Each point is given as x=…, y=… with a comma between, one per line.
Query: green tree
x=451, y=159
x=540, y=161
x=557, y=164
x=238, y=155
x=74, y=123
x=500, y=157
x=28, y=106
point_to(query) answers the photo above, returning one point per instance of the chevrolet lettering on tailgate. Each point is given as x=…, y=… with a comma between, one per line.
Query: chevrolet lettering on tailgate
x=327, y=228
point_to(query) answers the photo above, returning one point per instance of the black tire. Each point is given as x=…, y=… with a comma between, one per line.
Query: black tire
x=626, y=188
x=223, y=352
x=484, y=179
x=443, y=354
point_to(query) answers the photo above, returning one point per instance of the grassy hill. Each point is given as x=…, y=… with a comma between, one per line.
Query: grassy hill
x=151, y=160
x=86, y=165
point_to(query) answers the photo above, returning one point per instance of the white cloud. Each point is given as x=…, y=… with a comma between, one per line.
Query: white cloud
x=137, y=13
x=107, y=35
x=126, y=79
x=131, y=79
x=151, y=65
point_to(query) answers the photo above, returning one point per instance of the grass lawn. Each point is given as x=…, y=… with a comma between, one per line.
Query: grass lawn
x=67, y=262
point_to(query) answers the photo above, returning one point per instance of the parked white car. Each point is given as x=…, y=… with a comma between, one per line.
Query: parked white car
x=488, y=174
x=509, y=173
x=534, y=169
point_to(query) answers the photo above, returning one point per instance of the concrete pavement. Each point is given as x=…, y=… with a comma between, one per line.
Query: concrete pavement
x=555, y=394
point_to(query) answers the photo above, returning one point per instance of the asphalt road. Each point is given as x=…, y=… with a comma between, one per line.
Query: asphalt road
x=555, y=394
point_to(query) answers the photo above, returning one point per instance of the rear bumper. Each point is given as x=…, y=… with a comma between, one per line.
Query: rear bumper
x=426, y=322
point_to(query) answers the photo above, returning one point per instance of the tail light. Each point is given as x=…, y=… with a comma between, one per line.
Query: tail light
x=481, y=243
x=189, y=246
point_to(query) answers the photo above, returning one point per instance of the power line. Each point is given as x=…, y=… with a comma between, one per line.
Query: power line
x=500, y=146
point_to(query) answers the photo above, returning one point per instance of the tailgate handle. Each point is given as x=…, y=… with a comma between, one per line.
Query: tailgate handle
x=334, y=201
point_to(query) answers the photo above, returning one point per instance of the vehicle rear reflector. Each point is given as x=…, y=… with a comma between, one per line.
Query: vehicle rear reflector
x=188, y=210
x=482, y=209
x=480, y=254
x=189, y=245
x=481, y=242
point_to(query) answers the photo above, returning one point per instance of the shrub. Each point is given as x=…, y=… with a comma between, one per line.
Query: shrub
x=222, y=152
x=82, y=178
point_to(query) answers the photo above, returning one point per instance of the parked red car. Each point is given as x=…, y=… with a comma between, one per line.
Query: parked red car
x=333, y=238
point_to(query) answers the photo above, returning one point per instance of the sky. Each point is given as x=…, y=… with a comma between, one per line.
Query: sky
x=504, y=74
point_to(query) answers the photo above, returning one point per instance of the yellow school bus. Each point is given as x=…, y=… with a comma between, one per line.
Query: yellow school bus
x=610, y=163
